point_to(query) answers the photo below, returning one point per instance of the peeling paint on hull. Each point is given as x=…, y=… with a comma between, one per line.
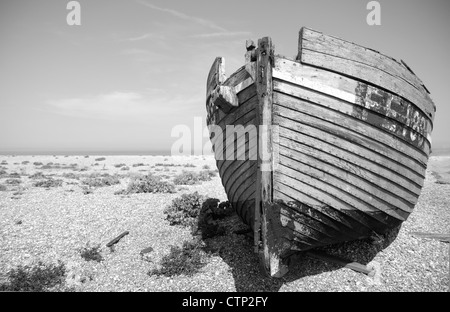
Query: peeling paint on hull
x=394, y=114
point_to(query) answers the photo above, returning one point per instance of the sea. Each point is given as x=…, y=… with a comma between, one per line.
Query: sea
x=442, y=151
x=435, y=152
x=91, y=152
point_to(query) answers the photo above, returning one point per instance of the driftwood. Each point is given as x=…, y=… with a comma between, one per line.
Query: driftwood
x=355, y=266
x=117, y=239
x=440, y=237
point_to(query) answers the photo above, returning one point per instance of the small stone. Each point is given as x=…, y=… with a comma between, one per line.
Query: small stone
x=146, y=250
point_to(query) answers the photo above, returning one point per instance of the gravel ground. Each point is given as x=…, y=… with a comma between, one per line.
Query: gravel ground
x=54, y=224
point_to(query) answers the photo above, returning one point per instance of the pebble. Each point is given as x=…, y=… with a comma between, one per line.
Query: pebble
x=56, y=224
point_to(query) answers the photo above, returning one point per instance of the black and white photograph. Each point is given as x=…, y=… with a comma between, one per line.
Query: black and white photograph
x=224, y=147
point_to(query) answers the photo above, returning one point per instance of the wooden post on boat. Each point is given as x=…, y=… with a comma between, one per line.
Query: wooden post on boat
x=250, y=58
x=264, y=209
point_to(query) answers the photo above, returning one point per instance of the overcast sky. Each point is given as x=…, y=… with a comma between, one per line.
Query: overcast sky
x=134, y=69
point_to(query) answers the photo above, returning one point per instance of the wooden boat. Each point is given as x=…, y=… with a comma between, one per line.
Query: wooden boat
x=346, y=148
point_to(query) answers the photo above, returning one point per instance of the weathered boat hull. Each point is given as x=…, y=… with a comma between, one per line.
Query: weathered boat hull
x=345, y=151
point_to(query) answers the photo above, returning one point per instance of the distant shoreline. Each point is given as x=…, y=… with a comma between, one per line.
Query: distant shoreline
x=92, y=153
x=435, y=152
x=83, y=153
x=440, y=152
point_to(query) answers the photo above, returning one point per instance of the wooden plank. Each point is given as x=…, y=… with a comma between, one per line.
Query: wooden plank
x=237, y=77
x=246, y=94
x=247, y=193
x=299, y=245
x=233, y=169
x=243, y=114
x=353, y=91
x=244, y=176
x=230, y=166
x=302, y=229
x=343, y=57
x=366, y=74
x=316, y=41
x=313, y=151
x=384, y=121
x=216, y=75
x=225, y=98
x=230, y=117
x=346, y=137
x=239, y=152
x=233, y=116
x=336, y=230
x=227, y=144
x=340, y=213
x=241, y=188
x=246, y=149
x=361, y=156
x=236, y=133
x=358, y=186
x=356, y=127
x=245, y=211
x=335, y=187
x=245, y=89
x=349, y=136
x=230, y=137
x=219, y=115
x=308, y=219
x=297, y=202
x=238, y=84
x=245, y=196
x=286, y=183
x=227, y=136
x=243, y=85
x=332, y=195
x=290, y=196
